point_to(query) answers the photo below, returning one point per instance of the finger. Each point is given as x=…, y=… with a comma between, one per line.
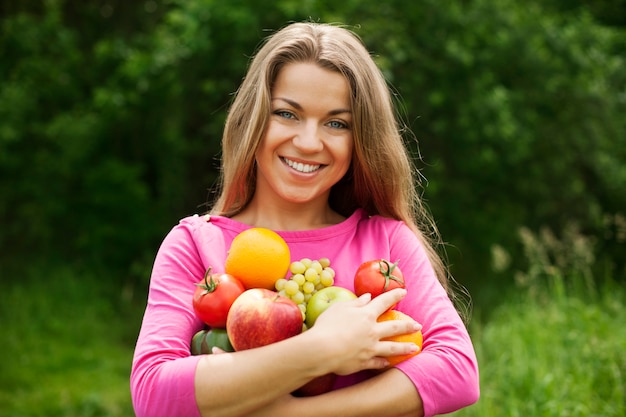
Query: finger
x=215, y=350
x=387, y=299
x=391, y=328
x=389, y=348
x=377, y=362
x=365, y=298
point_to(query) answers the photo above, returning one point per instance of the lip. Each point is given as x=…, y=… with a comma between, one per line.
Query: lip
x=302, y=167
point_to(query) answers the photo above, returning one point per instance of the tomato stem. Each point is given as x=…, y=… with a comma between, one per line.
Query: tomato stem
x=208, y=286
x=386, y=272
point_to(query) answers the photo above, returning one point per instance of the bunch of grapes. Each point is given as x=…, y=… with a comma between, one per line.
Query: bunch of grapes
x=307, y=277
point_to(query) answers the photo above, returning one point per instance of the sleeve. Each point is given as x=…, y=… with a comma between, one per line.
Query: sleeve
x=163, y=370
x=445, y=373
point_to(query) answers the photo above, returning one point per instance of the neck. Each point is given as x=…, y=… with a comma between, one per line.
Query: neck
x=287, y=217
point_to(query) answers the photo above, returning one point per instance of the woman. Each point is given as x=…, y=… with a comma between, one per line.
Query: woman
x=312, y=150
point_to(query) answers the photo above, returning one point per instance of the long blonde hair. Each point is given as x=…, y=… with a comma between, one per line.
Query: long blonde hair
x=382, y=179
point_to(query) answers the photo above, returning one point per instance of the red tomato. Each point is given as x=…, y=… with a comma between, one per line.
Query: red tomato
x=213, y=297
x=376, y=277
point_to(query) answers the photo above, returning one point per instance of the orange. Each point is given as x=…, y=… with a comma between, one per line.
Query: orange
x=258, y=257
x=410, y=337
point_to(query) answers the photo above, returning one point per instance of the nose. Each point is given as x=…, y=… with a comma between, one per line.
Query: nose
x=308, y=139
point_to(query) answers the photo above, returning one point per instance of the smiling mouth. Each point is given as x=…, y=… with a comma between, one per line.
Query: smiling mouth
x=300, y=167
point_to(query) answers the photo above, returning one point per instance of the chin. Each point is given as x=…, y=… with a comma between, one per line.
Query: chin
x=302, y=195
x=299, y=199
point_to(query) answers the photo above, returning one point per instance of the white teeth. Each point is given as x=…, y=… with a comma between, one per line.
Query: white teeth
x=299, y=166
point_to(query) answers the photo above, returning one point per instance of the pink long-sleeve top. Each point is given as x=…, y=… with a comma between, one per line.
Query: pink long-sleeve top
x=445, y=373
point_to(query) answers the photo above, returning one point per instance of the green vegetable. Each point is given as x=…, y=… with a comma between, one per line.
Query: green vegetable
x=204, y=341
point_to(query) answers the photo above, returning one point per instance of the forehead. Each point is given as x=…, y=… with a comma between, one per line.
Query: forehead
x=306, y=82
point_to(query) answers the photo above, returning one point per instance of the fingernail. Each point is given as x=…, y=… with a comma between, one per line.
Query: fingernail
x=417, y=327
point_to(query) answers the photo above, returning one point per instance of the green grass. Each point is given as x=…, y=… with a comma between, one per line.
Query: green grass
x=548, y=352
x=66, y=350
x=555, y=354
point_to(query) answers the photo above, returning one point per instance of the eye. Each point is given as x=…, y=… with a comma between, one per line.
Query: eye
x=285, y=114
x=337, y=124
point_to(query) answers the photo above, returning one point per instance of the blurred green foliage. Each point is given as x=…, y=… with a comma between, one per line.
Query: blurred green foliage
x=552, y=349
x=111, y=115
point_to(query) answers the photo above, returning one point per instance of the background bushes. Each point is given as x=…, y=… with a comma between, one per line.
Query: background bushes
x=112, y=114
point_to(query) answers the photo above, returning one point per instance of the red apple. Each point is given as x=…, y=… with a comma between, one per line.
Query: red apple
x=317, y=386
x=259, y=317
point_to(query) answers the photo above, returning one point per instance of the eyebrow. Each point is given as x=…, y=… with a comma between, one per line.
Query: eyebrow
x=297, y=106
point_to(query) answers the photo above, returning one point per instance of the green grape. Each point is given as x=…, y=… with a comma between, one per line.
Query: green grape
x=317, y=266
x=330, y=271
x=302, y=307
x=319, y=286
x=291, y=287
x=299, y=278
x=308, y=287
x=311, y=275
x=297, y=267
x=326, y=278
x=298, y=297
x=307, y=297
x=306, y=262
x=325, y=262
x=317, y=280
x=280, y=284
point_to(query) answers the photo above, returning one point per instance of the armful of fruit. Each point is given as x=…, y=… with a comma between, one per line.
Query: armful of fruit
x=240, y=319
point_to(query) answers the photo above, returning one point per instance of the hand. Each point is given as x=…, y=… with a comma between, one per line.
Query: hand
x=354, y=333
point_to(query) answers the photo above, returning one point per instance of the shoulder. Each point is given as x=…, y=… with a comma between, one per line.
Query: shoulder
x=189, y=227
x=198, y=231
x=391, y=237
x=402, y=240
x=199, y=239
x=378, y=224
x=193, y=222
x=208, y=225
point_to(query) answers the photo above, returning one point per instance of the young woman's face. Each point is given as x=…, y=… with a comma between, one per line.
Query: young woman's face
x=307, y=146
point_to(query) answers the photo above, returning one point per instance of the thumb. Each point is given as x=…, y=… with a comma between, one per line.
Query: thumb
x=216, y=351
x=364, y=299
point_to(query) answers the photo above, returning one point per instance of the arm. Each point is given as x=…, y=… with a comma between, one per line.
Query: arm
x=161, y=380
x=390, y=394
x=446, y=371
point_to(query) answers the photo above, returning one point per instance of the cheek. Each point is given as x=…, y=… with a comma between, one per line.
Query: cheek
x=273, y=137
x=345, y=153
x=266, y=145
